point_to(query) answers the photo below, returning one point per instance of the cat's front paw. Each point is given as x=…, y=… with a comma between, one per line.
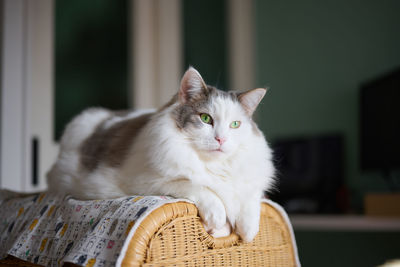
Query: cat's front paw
x=247, y=228
x=212, y=213
x=248, y=222
x=221, y=232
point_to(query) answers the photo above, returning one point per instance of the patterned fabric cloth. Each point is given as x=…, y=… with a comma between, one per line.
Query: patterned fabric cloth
x=50, y=229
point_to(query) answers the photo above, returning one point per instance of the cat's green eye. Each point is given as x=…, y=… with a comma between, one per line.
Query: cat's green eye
x=235, y=124
x=206, y=118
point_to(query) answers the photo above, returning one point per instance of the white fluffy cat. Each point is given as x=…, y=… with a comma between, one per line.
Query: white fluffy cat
x=202, y=145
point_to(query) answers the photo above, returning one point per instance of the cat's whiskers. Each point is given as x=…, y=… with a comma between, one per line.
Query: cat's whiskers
x=187, y=140
x=204, y=142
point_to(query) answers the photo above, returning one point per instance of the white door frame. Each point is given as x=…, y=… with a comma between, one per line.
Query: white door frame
x=26, y=93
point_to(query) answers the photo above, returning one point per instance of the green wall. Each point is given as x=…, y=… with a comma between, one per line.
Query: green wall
x=204, y=39
x=314, y=55
x=91, y=57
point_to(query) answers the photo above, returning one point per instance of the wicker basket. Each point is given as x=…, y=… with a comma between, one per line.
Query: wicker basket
x=173, y=235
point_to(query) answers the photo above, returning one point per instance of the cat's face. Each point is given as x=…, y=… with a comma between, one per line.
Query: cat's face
x=215, y=123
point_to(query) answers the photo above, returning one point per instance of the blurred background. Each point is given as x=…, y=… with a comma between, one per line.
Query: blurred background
x=331, y=112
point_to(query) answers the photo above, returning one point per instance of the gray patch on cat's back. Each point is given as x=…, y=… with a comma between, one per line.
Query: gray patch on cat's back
x=111, y=145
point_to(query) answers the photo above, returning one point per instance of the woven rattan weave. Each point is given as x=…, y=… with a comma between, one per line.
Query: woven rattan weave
x=173, y=236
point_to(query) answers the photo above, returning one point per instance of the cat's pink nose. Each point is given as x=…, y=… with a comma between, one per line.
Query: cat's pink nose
x=220, y=140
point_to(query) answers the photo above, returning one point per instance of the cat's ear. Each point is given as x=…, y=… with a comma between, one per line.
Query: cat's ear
x=251, y=99
x=192, y=85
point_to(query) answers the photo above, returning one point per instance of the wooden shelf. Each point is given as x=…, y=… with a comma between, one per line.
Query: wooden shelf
x=345, y=223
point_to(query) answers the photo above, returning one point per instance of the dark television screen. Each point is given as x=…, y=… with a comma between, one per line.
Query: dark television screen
x=380, y=123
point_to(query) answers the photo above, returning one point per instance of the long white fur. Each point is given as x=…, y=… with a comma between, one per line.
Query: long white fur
x=227, y=187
